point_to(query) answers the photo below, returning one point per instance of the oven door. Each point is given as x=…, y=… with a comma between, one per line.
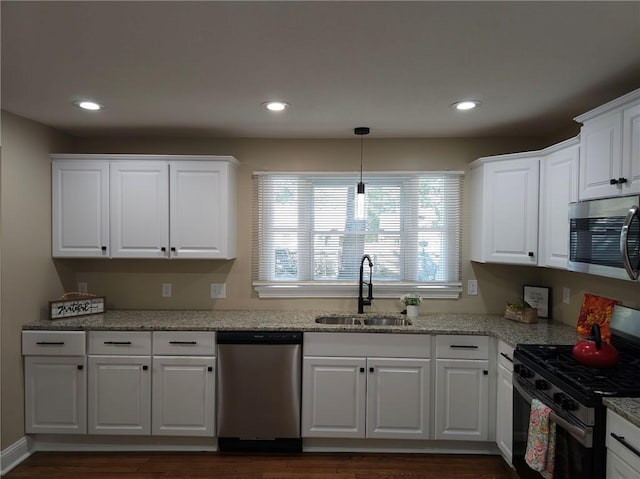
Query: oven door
x=574, y=458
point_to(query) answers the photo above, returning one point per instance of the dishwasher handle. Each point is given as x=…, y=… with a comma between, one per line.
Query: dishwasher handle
x=259, y=337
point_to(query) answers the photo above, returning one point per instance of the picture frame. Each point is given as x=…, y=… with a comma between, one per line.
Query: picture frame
x=538, y=297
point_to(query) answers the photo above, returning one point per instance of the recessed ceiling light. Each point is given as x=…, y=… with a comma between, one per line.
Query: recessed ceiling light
x=88, y=105
x=275, y=105
x=465, y=105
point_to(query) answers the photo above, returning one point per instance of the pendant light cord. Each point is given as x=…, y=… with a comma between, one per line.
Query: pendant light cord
x=361, y=146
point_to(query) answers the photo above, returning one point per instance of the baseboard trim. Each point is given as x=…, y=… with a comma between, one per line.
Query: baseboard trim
x=14, y=455
x=81, y=443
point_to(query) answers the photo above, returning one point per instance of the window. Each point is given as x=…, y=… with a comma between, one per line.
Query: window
x=309, y=239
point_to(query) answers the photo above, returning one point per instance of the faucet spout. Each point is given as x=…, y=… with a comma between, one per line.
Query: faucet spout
x=362, y=301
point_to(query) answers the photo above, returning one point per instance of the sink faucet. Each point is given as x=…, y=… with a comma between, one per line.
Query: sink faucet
x=361, y=300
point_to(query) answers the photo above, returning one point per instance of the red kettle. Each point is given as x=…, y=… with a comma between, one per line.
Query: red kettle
x=594, y=352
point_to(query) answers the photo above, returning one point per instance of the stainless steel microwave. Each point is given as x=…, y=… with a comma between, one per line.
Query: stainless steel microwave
x=604, y=237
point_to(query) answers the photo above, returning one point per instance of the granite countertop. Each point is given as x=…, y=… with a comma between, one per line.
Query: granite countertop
x=508, y=331
x=628, y=408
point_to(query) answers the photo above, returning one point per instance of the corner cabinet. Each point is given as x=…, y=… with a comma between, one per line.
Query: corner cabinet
x=504, y=209
x=144, y=206
x=610, y=149
x=351, y=384
x=504, y=401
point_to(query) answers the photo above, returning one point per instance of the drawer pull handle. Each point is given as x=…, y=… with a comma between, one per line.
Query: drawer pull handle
x=50, y=343
x=623, y=441
x=183, y=342
x=463, y=346
x=118, y=343
x=506, y=357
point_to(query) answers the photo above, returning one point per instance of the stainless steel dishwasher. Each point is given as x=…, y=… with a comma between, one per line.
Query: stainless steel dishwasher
x=259, y=390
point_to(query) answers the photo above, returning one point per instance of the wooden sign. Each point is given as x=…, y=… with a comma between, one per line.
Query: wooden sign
x=66, y=308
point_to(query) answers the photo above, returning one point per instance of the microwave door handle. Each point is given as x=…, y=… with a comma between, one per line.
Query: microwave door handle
x=624, y=249
x=583, y=436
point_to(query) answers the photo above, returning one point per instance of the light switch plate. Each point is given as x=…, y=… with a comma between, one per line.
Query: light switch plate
x=218, y=290
x=472, y=287
x=83, y=287
x=566, y=295
x=166, y=290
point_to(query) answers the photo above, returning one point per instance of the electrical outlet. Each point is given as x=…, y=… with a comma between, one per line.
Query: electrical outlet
x=472, y=287
x=83, y=287
x=566, y=295
x=166, y=290
x=218, y=290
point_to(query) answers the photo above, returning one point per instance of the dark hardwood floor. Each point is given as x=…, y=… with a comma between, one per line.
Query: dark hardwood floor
x=256, y=466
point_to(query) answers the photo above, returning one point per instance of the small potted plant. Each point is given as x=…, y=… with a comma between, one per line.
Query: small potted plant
x=412, y=303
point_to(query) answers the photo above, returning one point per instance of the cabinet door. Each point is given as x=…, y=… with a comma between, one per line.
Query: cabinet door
x=631, y=150
x=55, y=395
x=333, y=397
x=600, y=156
x=139, y=209
x=80, y=209
x=511, y=207
x=504, y=414
x=619, y=469
x=183, y=396
x=558, y=188
x=462, y=399
x=398, y=398
x=202, y=218
x=119, y=395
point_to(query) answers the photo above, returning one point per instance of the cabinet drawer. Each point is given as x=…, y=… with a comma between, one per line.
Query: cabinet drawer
x=367, y=344
x=627, y=438
x=128, y=343
x=53, y=343
x=505, y=355
x=184, y=343
x=462, y=347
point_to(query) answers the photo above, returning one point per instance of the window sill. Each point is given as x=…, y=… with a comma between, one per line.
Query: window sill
x=267, y=289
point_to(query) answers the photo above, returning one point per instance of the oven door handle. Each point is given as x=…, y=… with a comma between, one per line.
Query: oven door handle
x=624, y=234
x=583, y=436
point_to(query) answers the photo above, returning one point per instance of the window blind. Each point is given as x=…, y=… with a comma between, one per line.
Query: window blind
x=309, y=234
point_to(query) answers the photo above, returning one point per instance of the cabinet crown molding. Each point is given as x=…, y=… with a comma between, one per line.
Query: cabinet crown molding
x=136, y=157
x=607, y=107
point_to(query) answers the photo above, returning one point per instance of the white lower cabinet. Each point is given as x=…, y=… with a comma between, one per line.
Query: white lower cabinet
x=372, y=397
x=184, y=378
x=55, y=395
x=504, y=408
x=462, y=388
x=119, y=384
x=623, y=448
x=55, y=377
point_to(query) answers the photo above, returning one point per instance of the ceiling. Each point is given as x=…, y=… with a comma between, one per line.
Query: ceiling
x=204, y=68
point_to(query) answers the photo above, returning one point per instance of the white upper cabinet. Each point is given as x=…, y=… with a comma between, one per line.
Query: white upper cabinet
x=504, y=209
x=144, y=206
x=203, y=209
x=139, y=209
x=80, y=208
x=558, y=188
x=610, y=149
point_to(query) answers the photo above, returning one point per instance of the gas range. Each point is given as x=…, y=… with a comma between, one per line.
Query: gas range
x=574, y=393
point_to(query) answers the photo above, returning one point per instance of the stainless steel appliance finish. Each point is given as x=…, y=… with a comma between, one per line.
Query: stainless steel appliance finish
x=574, y=393
x=259, y=391
x=604, y=237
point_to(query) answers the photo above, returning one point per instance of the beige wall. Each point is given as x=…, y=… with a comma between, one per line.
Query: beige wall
x=137, y=284
x=29, y=278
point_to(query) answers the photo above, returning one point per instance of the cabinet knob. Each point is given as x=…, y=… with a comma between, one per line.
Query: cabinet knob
x=163, y=249
x=613, y=181
x=485, y=372
x=145, y=367
x=531, y=254
x=173, y=248
x=210, y=368
x=361, y=370
x=103, y=248
x=80, y=367
x=371, y=370
x=622, y=180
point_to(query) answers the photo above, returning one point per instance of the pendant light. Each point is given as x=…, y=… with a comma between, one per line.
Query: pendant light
x=360, y=209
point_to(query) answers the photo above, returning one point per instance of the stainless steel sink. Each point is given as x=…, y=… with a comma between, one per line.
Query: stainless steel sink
x=341, y=320
x=387, y=321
